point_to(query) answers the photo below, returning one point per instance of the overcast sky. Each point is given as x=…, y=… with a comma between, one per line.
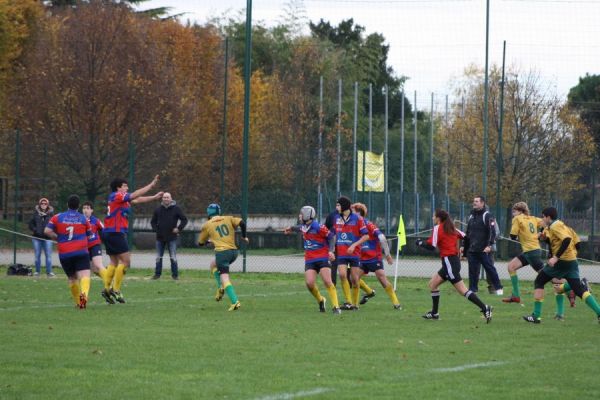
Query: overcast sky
x=431, y=41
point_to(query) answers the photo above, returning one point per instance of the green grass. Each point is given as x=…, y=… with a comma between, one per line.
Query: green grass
x=172, y=340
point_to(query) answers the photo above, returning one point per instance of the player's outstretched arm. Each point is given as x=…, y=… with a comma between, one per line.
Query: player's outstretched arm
x=146, y=199
x=145, y=189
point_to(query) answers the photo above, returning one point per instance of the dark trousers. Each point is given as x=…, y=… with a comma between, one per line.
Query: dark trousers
x=476, y=260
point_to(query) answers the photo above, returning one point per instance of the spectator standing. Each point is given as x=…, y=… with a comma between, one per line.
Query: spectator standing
x=167, y=221
x=477, y=246
x=41, y=216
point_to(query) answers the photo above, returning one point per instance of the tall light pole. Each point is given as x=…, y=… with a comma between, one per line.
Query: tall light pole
x=247, y=65
x=486, y=122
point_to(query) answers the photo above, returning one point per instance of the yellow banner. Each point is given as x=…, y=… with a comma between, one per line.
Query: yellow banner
x=374, y=172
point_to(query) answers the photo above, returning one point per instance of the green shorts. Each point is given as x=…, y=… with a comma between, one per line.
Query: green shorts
x=224, y=259
x=533, y=258
x=563, y=269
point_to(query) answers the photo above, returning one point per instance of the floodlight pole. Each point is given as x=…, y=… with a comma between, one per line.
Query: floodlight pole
x=247, y=65
x=485, y=100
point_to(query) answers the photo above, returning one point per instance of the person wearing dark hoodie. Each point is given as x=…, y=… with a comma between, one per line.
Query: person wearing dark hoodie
x=168, y=220
x=41, y=216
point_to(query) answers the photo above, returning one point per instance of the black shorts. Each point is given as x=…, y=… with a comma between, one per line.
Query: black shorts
x=73, y=264
x=371, y=266
x=224, y=259
x=351, y=262
x=317, y=265
x=115, y=243
x=95, y=251
x=450, y=270
x=533, y=258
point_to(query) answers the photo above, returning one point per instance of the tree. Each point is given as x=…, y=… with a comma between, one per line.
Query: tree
x=94, y=77
x=585, y=100
x=545, y=147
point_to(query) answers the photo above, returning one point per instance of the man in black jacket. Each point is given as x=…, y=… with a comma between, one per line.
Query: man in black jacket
x=168, y=220
x=477, y=246
x=41, y=216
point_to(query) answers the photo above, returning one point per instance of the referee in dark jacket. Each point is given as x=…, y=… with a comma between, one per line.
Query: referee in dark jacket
x=477, y=246
x=167, y=221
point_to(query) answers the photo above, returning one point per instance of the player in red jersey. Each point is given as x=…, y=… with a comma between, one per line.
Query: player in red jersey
x=371, y=260
x=72, y=230
x=319, y=247
x=446, y=237
x=116, y=225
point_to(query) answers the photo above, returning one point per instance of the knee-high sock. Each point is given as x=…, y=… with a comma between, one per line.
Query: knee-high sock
x=119, y=274
x=473, y=298
x=355, y=293
x=217, y=276
x=75, y=292
x=85, y=283
x=231, y=293
x=591, y=302
x=110, y=273
x=565, y=287
x=346, y=290
x=365, y=288
x=315, y=292
x=435, y=300
x=331, y=290
x=537, y=308
x=103, y=274
x=514, y=279
x=560, y=303
x=389, y=289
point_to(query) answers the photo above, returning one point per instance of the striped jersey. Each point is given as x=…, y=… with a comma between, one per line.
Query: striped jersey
x=370, y=251
x=73, y=230
x=447, y=244
x=95, y=226
x=347, y=232
x=117, y=212
x=316, y=242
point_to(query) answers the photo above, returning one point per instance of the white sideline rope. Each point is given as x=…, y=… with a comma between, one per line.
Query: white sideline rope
x=27, y=236
x=544, y=250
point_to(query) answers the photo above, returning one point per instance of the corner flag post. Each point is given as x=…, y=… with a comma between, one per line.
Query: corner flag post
x=401, y=242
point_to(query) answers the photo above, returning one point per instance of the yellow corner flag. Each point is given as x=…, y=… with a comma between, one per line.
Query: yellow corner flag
x=401, y=233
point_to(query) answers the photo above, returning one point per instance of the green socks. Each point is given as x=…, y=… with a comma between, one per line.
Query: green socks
x=537, y=308
x=514, y=279
x=560, y=304
x=231, y=293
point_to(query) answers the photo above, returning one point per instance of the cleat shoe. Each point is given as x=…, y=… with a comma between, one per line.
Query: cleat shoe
x=235, y=306
x=366, y=297
x=431, y=315
x=338, y=311
x=346, y=306
x=322, y=304
x=117, y=296
x=397, y=307
x=559, y=317
x=219, y=294
x=586, y=285
x=487, y=314
x=511, y=299
x=106, y=295
x=571, y=295
x=82, y=301
x=532, y=318
x=354, y=308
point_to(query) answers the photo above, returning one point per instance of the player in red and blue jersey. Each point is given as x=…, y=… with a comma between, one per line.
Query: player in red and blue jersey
x=371, y=260
x=351, y=233
x=71, y=230
x=445, y=237
x=319, y=247
x=95, y=249
x=116, y=225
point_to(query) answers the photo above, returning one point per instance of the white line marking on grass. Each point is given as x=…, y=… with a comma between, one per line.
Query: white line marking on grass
x=303, y=393
x=470, y=366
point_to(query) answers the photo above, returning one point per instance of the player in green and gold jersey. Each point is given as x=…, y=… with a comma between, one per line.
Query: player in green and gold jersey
x=561, y=264
x=220, y=229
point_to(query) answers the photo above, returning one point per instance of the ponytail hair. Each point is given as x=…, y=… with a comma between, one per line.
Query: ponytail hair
x=445, y=220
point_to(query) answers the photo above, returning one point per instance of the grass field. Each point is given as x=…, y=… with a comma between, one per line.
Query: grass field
x=173, y=341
